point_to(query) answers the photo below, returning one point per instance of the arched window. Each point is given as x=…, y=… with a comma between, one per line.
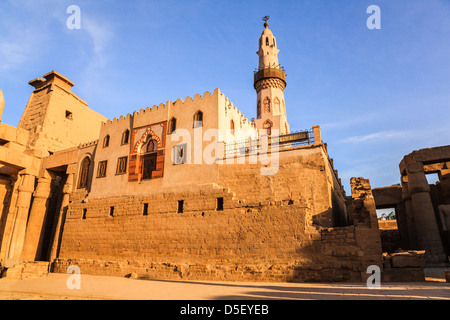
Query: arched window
x=84, y=173
x=268, y=126
x=232, y=126
x=267, y=105
x=125, y=137
x=198, y=119
x=172, y=125
x=106, y=141
x=258, y=111
x=276, y=103
x=267, y=41
x=152, y=146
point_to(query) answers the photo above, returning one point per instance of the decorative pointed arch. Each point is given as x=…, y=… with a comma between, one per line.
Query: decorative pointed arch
x=232, y=126
x=266, y=104
x=277, y=105
x=198, y=119
x=172, y=125
x=258, y=110
x=84, y=173
x=268, y=126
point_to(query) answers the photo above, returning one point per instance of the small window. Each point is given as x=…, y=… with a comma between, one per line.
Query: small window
x=267, y=41
x=219, y=204
x=122, y=165
x=179, y=154
x=172, y=125
x=69, y=115
x=180, y=206
x=106, y=141
x=145, y=211
x=101, y=171
x=232, y=126
x=125, y=137
x=198, y=119
x=84, y=214
x=111, y=211
x=268, y=126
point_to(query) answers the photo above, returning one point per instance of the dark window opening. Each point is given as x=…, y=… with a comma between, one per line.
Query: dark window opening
x=106, y=142
x=219, y=204
x=198, y=119
x=126, y=137
x=145, y=212
x=84, y=214
x=180, y=206
x=172, y=125
x=111, y=211
x=69, y=115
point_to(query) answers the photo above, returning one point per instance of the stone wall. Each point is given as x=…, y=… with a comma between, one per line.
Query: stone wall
x=246, y=241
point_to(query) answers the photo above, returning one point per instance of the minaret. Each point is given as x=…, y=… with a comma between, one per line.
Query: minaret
x=270, y=82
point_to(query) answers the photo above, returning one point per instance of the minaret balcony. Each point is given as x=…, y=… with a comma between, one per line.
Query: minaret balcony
x=270, y=72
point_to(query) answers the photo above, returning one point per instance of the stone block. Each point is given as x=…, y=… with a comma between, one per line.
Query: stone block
x=403, y=275
x=409, y=259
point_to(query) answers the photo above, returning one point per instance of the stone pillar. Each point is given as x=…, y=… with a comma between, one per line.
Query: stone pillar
x=426, y=227
x=317, y=135
x=33, y=236
x=20, y=218
x=410, y=224
x=67, y=190
x=444, y=187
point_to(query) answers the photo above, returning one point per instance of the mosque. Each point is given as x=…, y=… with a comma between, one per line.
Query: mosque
x=189, y=189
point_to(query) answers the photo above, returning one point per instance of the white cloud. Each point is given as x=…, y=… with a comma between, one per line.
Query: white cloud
x=380, y=136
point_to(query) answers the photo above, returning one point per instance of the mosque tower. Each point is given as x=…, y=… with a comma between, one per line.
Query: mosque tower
x=270, y=82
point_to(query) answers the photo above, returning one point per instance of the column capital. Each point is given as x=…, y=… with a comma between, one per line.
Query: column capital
x=43, y=188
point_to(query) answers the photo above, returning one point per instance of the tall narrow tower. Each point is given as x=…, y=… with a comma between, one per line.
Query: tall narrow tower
x=270, y=82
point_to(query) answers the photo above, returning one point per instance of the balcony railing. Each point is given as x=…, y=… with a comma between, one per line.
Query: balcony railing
x=287, y=141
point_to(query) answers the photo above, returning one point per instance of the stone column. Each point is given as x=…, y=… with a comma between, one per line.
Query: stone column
x=67, y=190
x=317, y=135
x=410, y=224
x=20, y=218
x=426, y=227
x=33, y=235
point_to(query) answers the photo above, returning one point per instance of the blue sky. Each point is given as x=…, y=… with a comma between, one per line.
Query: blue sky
x=377, y=94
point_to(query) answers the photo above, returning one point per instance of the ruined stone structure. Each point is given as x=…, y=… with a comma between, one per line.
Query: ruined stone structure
x=422, y=210
x=188, y=189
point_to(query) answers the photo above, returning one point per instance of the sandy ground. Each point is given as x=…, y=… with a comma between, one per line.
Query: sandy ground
x=54, y=287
